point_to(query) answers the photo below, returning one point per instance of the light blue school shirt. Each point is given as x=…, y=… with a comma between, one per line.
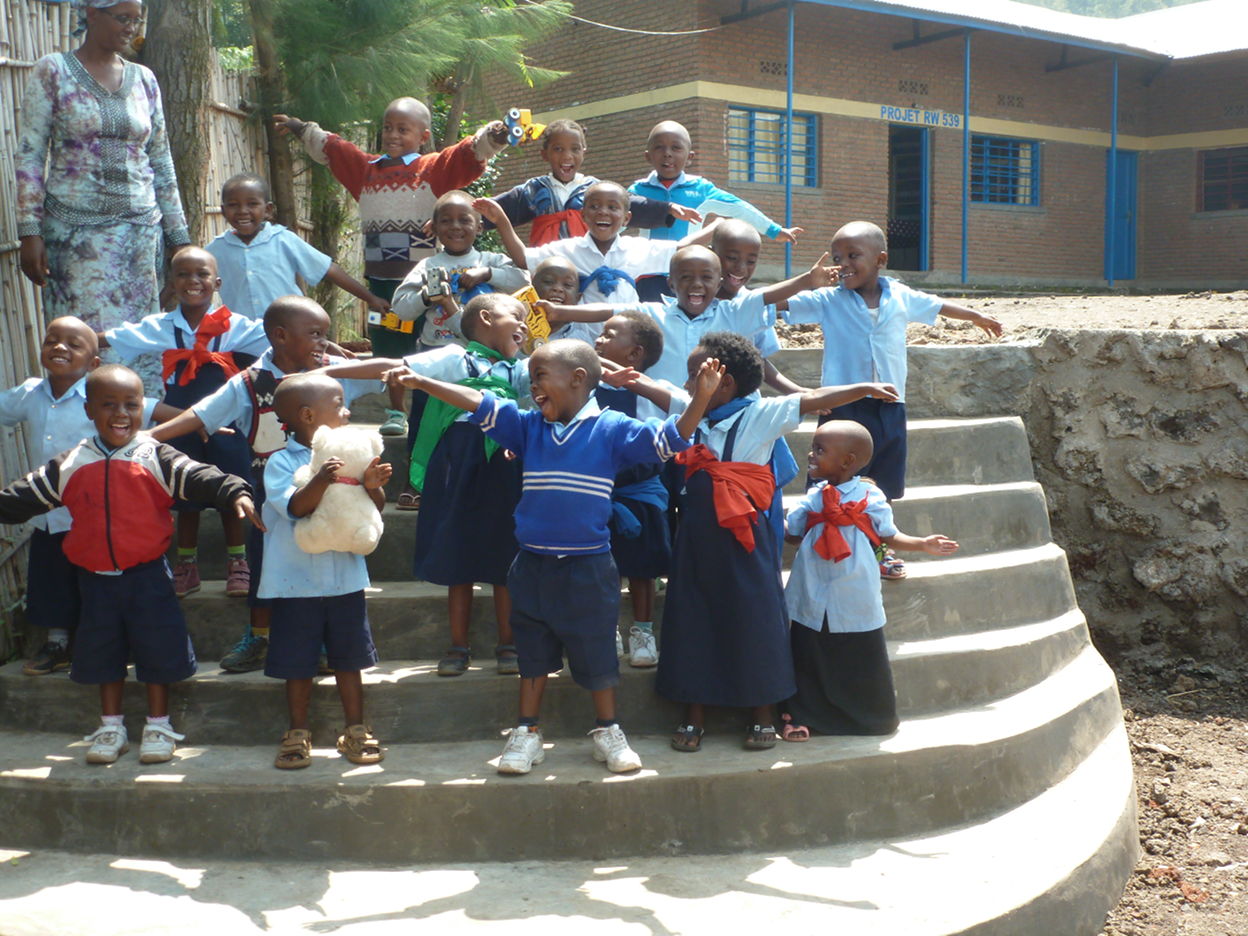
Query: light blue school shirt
x=746, y=314
x=848, y=592
x=450, y=364
x=762, y=423
x=254, y=274
x=862, y=345
x=231, y=405
x=288, y=571
x=158, y=332
x=54, y=425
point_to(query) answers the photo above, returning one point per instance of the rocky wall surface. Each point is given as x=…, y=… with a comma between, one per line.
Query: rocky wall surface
x=1140, y=439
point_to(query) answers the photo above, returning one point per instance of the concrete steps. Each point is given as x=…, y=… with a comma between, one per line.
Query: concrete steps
x=1011, y=731
x=936, y=772
x=408, y=701
x=1050, y=865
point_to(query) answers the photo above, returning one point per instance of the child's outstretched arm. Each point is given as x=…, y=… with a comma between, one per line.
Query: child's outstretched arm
x=936, y=544
x=466, y=398
x=816, y=277
x=348, y=283
x=184, y=423
x=361, y=369
x=986, y=322
x=616, y=375
x=591, y=312
x=777, y=381
x=493, y=212
x=826, y=398
x=705, y=383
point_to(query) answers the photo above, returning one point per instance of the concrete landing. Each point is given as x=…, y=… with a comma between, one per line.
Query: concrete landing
x=446, y=802
x=1051, y=865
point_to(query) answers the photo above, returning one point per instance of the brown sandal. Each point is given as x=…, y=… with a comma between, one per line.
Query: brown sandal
x=359, y=746
x=295, y=751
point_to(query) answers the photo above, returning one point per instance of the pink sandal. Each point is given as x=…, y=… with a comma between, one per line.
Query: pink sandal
x=792, y=732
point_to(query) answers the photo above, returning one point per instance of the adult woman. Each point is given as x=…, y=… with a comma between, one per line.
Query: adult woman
x=91, y=226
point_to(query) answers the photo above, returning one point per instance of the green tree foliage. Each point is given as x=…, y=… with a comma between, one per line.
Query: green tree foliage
x=342, y=61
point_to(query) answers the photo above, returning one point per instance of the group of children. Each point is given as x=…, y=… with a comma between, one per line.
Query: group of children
x=633, y=444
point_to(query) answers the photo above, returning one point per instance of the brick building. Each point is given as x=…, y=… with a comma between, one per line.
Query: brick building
x=881, y=129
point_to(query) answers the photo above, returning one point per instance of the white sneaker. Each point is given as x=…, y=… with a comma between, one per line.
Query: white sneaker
x=643, y=652
x=619, y=644
x=158, y=744
x=522, y=750
x=108, y=742
x=611, y=747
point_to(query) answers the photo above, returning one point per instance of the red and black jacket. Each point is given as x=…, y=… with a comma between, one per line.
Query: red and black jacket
x=119, y=501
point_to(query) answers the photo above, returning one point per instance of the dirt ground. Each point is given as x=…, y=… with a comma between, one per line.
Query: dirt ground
x=1025, y=316
x=1187, y=719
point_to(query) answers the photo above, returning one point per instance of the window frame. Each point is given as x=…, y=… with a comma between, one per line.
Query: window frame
x=805, y=170
x=1202, y=182
x=1004, y=175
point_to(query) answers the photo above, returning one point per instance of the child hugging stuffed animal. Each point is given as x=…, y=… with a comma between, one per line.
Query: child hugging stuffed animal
x=346, y=520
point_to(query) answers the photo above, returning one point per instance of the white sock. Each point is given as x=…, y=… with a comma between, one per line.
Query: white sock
x=113, y=721
x=647, y=626
x=58, y=636
x=162, y=720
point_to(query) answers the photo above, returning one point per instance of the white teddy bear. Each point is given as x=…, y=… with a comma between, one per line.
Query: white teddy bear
x=346, y=519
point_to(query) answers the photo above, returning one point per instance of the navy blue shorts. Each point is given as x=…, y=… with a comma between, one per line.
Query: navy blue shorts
x=301, y=626
x=230, y=453
x=52, y=598
x=887, y=424
x=134, y=615
x=566, y=605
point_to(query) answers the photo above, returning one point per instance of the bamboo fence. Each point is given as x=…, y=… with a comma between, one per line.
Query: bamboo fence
x=30, y=29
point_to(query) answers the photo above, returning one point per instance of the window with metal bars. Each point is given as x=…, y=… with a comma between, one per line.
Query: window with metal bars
x=756, y=147
x=1224, y=179
x=1005, y=171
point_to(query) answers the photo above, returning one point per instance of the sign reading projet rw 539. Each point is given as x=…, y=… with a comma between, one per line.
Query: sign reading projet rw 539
x=919, y=115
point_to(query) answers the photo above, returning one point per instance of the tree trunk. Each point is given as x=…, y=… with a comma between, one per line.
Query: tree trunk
x=328, y=217
x=179, y=51
x=455, y=113
x=273, y=101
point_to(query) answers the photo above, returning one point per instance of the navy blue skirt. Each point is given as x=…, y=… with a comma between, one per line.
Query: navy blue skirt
x=649, y=554
x=466, y=529
x=725, y=634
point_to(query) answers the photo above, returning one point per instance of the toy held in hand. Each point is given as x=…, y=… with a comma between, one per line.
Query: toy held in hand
x=535, y=319
x=520, y=126
x=346, y=520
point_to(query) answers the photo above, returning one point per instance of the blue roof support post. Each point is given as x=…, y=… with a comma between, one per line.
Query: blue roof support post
x=966, y=147
x=788, y=144
x=1111, y=183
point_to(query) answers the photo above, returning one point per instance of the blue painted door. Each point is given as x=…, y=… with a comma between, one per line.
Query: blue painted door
x=1120, y=216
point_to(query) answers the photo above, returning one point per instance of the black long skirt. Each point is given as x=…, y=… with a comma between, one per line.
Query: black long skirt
x=844, y=682
x=724, y=639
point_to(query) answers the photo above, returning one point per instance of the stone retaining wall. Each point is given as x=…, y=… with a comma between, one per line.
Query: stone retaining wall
x=1141, y=441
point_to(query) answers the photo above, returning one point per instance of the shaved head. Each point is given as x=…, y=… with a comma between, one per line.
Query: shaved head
x=611, y=190
x=864, y=232
x=734, y=229
x=693, y=252
x=112, y=375
x=669, y=126
x=848, y=437
x=300, y=390
x=412, y=109
x=67, y=323
x=572, y=354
